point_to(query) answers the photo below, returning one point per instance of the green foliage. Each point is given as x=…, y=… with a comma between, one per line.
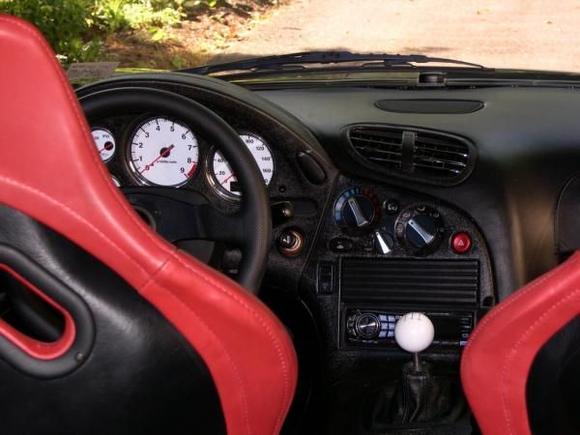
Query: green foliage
x=63, y=22
x=117, y=15
x=76, y=28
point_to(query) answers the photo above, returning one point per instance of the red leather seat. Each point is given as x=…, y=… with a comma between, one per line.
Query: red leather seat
x=50, y=171
x=500, y=354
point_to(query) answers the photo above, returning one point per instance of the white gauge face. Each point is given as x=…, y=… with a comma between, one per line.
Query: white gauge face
x=222, y=172
x=163, y=153
x=105, y=143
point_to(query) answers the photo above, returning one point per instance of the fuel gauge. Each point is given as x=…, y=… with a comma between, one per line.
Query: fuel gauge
x=105, y=142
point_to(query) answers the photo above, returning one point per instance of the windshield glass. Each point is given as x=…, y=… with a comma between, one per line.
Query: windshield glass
x=176, y=34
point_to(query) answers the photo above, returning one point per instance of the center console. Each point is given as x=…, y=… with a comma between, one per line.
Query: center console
x=384, y=252
x=381, y=253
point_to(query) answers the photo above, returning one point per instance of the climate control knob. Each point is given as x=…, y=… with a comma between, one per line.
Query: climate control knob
x=420, y=229
x=356, y=210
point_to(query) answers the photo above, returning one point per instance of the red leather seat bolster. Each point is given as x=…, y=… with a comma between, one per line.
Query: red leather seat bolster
x=500, y=352
x=50, y=170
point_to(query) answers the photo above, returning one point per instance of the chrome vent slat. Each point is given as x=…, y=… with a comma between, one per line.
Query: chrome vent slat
x=422, y=161
x=377, y=150
x=431, y=156
x=419, y=148
x=396, y=142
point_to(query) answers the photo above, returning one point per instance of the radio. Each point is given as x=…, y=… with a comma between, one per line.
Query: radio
x=377, y=327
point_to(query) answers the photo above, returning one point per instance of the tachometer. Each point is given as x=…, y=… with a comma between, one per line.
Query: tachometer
x=105, y=142
x=163, y=153
x=222, y=176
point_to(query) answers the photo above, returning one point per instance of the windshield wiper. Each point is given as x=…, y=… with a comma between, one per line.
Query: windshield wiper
x=300, y=60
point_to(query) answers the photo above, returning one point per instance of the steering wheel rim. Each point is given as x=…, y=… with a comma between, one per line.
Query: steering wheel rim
x=254, y=209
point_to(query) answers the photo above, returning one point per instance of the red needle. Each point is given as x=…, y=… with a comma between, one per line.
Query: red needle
x=228, y=178
x=108, y=147
x=162, y=154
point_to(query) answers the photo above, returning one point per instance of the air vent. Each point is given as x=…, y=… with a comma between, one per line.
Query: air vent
x=423, y=155
x=382, y=146
x=434, y=282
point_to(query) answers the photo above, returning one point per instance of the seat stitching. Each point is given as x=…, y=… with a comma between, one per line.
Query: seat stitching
x=509, y=357
x=500, y=308
x=216, y=339
x=125, y=208
x=87, y=138
x=504, y=305
x=277, y=344
x=74, y=215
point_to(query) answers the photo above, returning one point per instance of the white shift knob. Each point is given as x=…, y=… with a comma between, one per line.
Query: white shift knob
x=414, y=332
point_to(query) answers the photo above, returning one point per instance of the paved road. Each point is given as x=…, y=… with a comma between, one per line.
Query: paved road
x=539, y=34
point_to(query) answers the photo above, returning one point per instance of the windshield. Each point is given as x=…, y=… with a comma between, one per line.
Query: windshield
x=177, y=34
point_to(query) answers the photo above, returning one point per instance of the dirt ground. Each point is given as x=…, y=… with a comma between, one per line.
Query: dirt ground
x=531, y=34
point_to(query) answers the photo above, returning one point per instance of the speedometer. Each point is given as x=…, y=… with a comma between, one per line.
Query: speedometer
x=163, y=152
x=222, y=176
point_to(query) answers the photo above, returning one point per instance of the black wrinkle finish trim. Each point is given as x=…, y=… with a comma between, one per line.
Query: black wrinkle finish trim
x=70, y=301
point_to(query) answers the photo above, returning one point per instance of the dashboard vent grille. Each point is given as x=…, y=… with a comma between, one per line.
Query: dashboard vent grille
x=382, y=146
x=422, y=155
x=435, y=282
x=439, y=156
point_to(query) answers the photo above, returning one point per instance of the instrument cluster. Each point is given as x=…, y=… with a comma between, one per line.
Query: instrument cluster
x=163, y=152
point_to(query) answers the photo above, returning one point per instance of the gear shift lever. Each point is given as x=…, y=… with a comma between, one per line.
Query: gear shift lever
x=414, y=333
x=421, y=397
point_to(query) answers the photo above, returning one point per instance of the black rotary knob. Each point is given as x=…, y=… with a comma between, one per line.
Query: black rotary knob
x=356, y=210
x=367, y=326
x=420, y=229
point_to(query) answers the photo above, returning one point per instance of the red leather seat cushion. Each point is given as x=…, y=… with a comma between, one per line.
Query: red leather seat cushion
x=500, y=352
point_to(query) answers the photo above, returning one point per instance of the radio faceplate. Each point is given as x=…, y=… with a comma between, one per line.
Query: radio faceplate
x=376, y=327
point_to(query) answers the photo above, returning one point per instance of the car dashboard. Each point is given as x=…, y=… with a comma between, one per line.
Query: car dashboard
x=384, y=201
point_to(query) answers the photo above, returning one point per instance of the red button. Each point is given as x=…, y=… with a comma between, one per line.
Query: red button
x=461, y=242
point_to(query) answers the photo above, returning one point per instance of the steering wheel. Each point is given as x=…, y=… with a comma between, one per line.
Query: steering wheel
x=186, y=214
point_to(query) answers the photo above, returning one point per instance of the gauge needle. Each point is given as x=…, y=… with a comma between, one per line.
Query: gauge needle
x=108, y=147
x=164, y=153
x=226, y=180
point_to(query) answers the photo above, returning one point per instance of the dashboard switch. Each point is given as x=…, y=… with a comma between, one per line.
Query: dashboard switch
x=325, y=278
x=461, y=242
x=340, y=244
x=391, y=206
x=281, y=212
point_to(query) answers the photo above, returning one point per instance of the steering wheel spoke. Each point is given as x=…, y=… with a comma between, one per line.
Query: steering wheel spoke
x=184, y=215
x=180, y=214
x=221, y=227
